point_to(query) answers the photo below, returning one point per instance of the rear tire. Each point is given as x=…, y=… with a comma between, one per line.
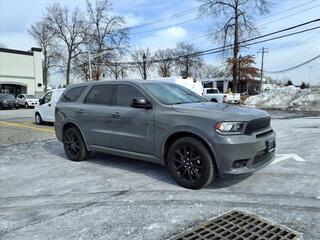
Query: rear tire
x=214, y=100
x=74, y=145
x=26, y=106
x=38, y=120
x=190, y=163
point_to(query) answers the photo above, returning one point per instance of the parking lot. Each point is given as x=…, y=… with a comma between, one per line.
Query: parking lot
x=45, y=196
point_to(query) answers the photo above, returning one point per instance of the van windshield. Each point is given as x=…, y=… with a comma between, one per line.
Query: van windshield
x=171, y=94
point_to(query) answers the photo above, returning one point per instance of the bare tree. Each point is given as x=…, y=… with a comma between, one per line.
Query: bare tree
x=187, y=62
x=44, y=38
x=208, y=71
x=106, y=32
x=234, y=23
x=137, y=57
x=165, y=64
x=70, y=28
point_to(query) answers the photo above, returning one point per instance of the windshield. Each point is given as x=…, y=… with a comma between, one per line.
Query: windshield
x=170, y=94
x=6, y=97
x=31, y=97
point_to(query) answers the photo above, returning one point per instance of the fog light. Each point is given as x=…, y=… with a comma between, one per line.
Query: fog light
x=240, y=163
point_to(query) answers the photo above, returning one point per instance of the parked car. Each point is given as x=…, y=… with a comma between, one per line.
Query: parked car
x=44, y=111
x=213, y=95
x=166, y=124
x=8, y=101
x=27, y=100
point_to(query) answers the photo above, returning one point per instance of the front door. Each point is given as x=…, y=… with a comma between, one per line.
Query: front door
x=132, y=128
x=45, y=109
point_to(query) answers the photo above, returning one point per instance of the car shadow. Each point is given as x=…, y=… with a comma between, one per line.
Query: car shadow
x=152, y=170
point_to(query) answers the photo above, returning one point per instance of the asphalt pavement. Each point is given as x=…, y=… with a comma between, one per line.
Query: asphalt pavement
x=45, y=196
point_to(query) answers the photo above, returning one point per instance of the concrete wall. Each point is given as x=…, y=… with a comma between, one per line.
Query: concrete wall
x=22, y=68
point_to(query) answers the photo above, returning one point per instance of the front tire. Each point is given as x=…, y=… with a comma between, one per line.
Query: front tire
x=74, y=145
x=26, y=106
x=38, y=120
x=190, y=163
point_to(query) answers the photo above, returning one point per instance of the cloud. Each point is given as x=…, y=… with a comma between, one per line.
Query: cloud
x=164, y=38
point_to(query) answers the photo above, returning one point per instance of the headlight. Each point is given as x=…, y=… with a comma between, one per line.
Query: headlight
x=226, y=128
x=4, y=101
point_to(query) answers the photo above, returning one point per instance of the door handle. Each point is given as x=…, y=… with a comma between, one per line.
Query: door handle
x=116, y=114
x=79, y=111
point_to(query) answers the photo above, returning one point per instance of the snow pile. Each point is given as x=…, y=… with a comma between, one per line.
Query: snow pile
x=287, y=98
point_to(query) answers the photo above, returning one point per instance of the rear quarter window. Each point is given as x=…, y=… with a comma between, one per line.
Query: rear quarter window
x=73, y=94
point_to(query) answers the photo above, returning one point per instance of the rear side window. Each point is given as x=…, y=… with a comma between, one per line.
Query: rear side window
x=101, y=94
x=212, y=91
x=73, y=94
x=126, y=93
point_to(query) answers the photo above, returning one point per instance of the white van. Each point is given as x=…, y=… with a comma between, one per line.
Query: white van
x=44, y=110
x=189, y=83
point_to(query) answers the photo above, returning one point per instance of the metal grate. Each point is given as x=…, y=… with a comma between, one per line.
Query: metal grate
x=237, y=225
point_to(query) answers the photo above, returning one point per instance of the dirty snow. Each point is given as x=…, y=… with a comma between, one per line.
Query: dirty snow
x=287, y=98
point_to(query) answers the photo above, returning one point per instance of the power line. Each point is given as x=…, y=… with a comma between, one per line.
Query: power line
x=165, y=27
x=159, y=20
x=297, y=66
x=229, y=47
x=288, y=16
x=210, y=33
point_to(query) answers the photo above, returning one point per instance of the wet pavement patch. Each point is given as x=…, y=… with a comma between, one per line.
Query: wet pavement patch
x=237, y=225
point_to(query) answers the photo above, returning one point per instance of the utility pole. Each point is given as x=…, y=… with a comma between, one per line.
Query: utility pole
x=262, y=51
x=89, y=63
x=310, y=74
x=144, y=58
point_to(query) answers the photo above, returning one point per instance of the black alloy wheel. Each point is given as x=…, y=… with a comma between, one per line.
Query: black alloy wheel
x=190, y=163
x=74, y=145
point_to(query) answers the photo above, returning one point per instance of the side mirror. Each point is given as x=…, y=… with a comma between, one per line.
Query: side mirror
x=41, y=101
x=141, y=103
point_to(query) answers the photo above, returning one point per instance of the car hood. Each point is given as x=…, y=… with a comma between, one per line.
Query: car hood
x=221, y=112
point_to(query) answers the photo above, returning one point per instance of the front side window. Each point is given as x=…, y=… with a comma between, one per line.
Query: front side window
x=170, y=94
x=73, y=94
x=47, y=97
x=126, y=93
x=101, y=94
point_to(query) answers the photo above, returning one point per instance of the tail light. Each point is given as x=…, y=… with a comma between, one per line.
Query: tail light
x=225, y=98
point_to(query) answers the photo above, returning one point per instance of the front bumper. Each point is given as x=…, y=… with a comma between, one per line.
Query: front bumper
x=243, y=154
x=10, y=105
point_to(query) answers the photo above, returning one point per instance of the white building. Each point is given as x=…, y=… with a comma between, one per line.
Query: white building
x=21, y=71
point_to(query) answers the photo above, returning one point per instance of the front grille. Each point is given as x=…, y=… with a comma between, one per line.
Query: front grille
x=257, y=125
x=238, y=225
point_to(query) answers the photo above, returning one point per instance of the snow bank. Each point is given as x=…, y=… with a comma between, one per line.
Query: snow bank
x=287, y=98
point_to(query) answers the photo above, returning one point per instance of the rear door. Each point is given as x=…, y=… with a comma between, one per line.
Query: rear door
x=95, y=113
x=132, y=128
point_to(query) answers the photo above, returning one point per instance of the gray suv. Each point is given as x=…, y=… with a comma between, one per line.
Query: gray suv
x=167, y=124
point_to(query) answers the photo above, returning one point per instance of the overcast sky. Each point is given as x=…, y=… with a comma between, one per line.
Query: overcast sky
x=16, y=16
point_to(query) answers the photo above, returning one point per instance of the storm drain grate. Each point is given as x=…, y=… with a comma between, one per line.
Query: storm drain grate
x=237, y=225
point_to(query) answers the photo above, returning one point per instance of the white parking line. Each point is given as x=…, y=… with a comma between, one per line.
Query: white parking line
x=283, y=157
